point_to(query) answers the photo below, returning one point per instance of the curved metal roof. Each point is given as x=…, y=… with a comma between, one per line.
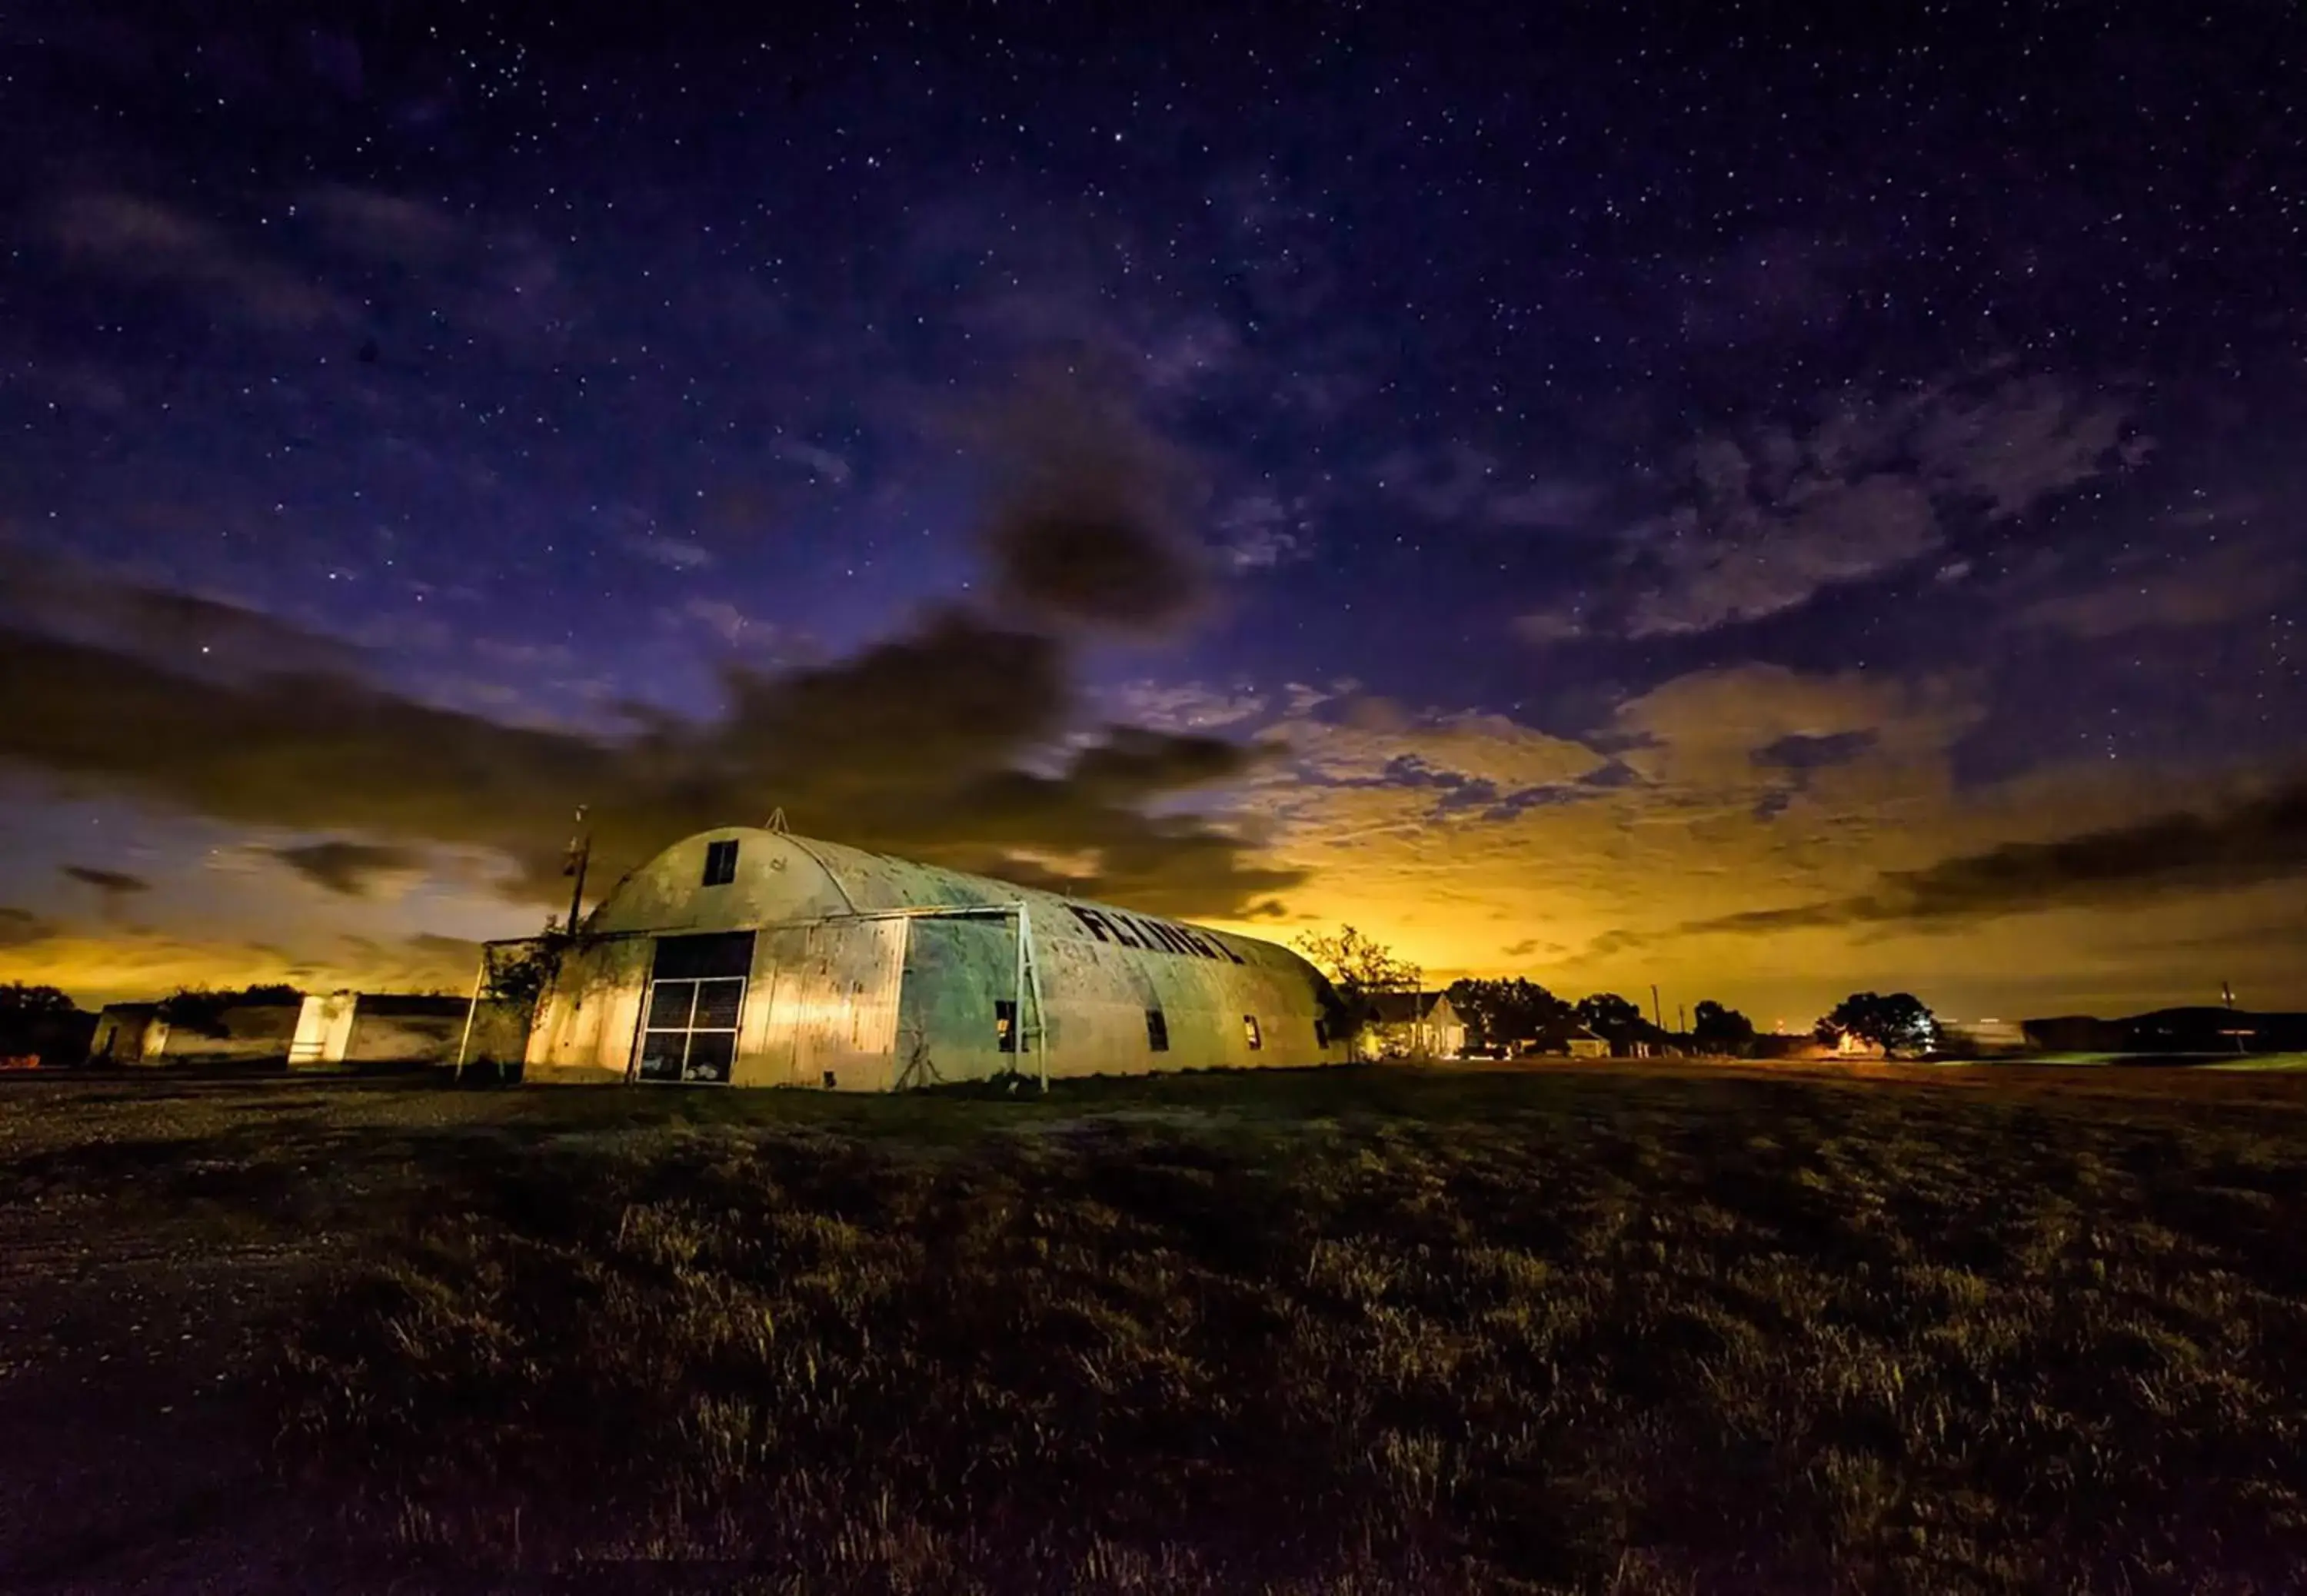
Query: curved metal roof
x=833, y=878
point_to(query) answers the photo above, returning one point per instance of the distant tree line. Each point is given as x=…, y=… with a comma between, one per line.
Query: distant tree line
x=1516, y=1014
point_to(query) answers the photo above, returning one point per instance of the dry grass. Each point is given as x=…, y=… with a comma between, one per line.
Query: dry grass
x=1355, y=1333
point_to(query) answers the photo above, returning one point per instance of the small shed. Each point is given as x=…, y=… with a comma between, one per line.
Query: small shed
x=348, y=1028
x=206, y=1029
x=128, y=1034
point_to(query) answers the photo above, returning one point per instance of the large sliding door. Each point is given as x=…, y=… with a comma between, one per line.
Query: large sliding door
x=696, y=1001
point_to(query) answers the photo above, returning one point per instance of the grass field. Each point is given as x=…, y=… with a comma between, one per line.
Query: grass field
x=1595, y=1330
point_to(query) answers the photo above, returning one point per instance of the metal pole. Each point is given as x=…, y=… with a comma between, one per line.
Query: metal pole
x=580, y=850
x=1018, y=999
x=480, y=975
x=1041, y=1020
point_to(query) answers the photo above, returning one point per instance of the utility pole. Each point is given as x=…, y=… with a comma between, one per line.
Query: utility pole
x=1656, y=1018
x=580, y=851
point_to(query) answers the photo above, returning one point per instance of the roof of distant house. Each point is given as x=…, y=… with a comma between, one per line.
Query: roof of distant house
x=1400, y=1008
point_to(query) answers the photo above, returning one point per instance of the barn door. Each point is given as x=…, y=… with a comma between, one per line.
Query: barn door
x=696, y=1001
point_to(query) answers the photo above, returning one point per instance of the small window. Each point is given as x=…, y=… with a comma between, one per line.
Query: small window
x=1321, y=1032
x=1005, y=1025
x=1249, y=1030
x=720, y=863
x=1157, y=1031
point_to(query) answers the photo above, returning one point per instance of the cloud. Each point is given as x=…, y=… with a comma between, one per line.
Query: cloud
x=1187, y=708
x=1262, y=529
x=821, y=462
x=1087, y=524
x=1442, y=485
x=141, y=240
x=45, y=594
x=350, y=868
x=1772, y=286
x=411, y=232
x=1769, y=518
x=110, y=883
x=1802, y=751
x=503, y=282
x=2261, y=839
x=20, y=927
x=137, y=963
x=679, y=553
x=914, y=747
x=725, y=622
x=2163, y=593
x=1550, y=504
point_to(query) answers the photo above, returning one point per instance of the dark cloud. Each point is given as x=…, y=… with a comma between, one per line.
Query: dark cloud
x=1089, y=515
x=350, y=868
x=111, y=882
x=2260, y=840
x=431, y=946
x=918, y=746
x=190, y=631
x=1800, y=751
x=20, y=927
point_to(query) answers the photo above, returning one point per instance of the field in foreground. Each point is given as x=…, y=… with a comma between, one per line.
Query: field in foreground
x=1578, y=1330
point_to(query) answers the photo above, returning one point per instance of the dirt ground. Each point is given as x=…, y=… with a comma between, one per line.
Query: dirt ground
x=159, y=1236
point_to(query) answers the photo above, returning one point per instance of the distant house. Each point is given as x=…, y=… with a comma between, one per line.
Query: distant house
x=1579, y=1042
x=1413, y=1025
x=1567, y=1037
x=389, y=1027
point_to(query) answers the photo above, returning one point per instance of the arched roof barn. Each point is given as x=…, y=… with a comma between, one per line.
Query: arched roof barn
x=756, y=958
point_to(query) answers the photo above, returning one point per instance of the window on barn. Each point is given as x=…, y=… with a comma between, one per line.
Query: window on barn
x=1249, y=1030
x=697, y=996
x=1005, y=1025
x=1321, y=1032
x=720, y=863
x=1157, y=1031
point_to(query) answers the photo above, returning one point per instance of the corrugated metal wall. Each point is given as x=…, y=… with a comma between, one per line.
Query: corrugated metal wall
x=854, y=987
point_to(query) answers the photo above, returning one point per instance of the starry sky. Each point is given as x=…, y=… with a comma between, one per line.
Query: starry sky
x=1768, y=500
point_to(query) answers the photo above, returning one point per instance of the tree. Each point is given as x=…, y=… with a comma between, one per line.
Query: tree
x=520, y=972
x=43, y=1024
x=1358, y=965
x=1507, y=1013
x=1897, y=1021
x=19, y=1001
x=1610, y=1017
x=1719, y=1029
x=1358, y=968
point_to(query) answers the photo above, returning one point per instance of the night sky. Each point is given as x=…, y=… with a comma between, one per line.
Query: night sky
x=1765, y=501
